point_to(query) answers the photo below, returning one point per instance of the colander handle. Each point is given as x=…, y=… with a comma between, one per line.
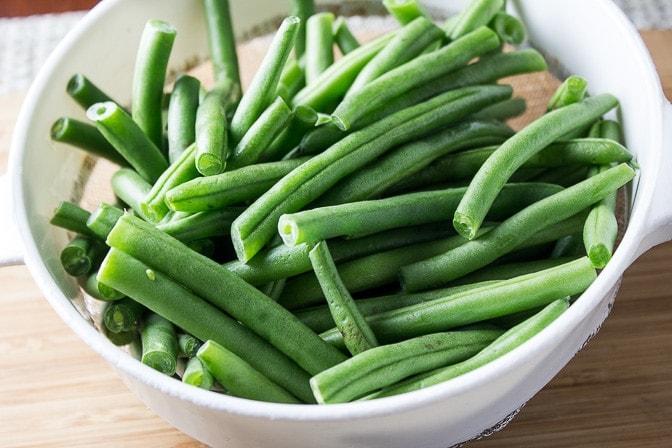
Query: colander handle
x=11, y=247
x=658, y=228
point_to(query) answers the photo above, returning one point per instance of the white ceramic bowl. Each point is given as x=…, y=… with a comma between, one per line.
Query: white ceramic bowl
x=598, y=43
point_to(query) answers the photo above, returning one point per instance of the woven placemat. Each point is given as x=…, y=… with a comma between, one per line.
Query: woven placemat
x=27, y=42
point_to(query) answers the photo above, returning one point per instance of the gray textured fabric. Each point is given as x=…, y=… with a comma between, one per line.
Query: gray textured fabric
x=27, y=42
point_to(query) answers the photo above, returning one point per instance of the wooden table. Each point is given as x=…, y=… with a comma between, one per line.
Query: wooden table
x=56, y=392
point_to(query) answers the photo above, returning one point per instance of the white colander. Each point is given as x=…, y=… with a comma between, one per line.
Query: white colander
x=590, y=38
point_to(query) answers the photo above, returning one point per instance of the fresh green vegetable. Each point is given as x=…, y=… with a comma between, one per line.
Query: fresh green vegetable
x=386, y=365
x=258, y=223
x=319, y=51
x=230, y=187
x=343, y=36
x=502, y=298
x=122, y=315
x=81, y=255
x=211, y=129
x=85, y=136
x=181, y=115
x=516, y=150
x=412, y=74
x=188, y=344
x=149, y=78
x=238, y=377
x=486, y=248
x=356, y=333
x=405, y=11
x=513, y=338
x=193, y=314
x=71, y=216
x=128, y=139
x=261, y=134
x=85, y=92
x=159, y=343
x=262, y=89
x=221, y=41
x=207, y=278
x=196, y=374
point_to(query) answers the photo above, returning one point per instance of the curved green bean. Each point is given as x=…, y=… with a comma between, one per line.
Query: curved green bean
x=497, y=169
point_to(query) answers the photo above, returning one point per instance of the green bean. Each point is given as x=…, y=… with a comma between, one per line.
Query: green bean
x=504, y=110
x=285, y=145
x=485, y=71
x=382, y=267
x=126, y=338
x=221, y=41
x=229, y=187
x=262, y=89
x=130, y=188
x=510, y=29
x=159, y=343
x=386, y=365
x=571, y=90
x=70, y=216
x=281, y=261
x=181, y=115
x=200, y=225
x=475, y=14
x=512, y=154
x=323, y=94
x=513, y=338
x=85, y=92
x=81, y=255
x=149, y=78
x=375, y=215
x=490, y=301
x=343, y=37
x=207, y=278
x=188, y=344
x=103, y=218
x=405, y=11
x=302, y=9
x=464, y=164
x=153, y=205
x=364, y=273
x=374, y=179
x=261, y=134
x=193, y=314
x=239, y=378
x=410, y=41
x=197, y=375
x=128, y=139
x=292, y=79
x=355, y=331
x=480, y=251
x=254, y=228
x=85, y=136
x=319, y=53
x=413, y=73
x=98, y=290
x=211, y=129
x=319, y=319
x=601, y=228
x=122, y=315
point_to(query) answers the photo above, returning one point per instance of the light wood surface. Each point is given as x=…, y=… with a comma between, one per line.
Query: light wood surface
x=56, y=392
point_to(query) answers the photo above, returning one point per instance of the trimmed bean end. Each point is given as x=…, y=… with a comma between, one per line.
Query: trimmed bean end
x=599, y=255
x=465, y=226
x=101, y=111
x=288, y=231
x=209, y=165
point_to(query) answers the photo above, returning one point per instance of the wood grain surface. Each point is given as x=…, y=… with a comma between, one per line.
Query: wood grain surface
x=56, y=392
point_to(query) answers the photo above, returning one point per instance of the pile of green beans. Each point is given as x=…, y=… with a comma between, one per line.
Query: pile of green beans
x=360, y=221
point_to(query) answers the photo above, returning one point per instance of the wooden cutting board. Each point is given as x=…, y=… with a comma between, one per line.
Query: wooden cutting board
x=56, y=392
